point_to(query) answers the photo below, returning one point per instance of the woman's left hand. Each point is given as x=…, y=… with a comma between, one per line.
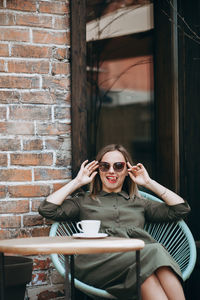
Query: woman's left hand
x=138, y=174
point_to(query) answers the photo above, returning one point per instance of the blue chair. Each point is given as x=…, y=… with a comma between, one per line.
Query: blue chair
x=176, y=237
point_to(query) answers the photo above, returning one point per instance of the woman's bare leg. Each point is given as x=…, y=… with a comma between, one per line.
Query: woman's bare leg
x=170, y=283
x=151, y=289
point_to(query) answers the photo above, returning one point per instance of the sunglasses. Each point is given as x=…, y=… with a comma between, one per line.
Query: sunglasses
x=117, y=166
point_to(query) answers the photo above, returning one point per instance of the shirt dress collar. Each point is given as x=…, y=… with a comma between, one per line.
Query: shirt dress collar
x=122, y=193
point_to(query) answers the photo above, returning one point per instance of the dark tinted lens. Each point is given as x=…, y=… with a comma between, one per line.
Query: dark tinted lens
x=118, y=166
x=104, y=166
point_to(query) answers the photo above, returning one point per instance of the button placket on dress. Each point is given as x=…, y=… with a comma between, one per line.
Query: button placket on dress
x=116, y=209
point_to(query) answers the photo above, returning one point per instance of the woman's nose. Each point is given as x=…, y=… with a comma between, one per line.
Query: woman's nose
x=111, y=170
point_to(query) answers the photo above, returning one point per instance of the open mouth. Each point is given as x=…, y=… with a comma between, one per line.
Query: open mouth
x=111, y=179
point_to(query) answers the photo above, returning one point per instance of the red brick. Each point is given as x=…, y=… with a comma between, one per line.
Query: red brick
x=22, y=233
x=31, y=51
x=7, y=19
x=36, y=144
x=15, y=207
x=56, y=7
x=63, y=158
x=60, y=96
x=19, y=82
x=61, y=112
x=9, y=233
x=38, y=97
x=39, y=67
x=2, y=191
x=32, y=220
x=28, y=191
x=4, y=51
x=3, y=111
x=30, y=112
x=34, y=20
x=41, y=263
x=39, y=277
x=9, y=97
x=56, y=83
x=57, y=186
x=44, y=231
x=60, y=53
x=59, y=143
x=10, y=222
x=2, y=66
x=15, y=175
x=35, y=205
x=53, y=128
x=10, y=144
x=31, y=159
x=61, y=22
x=60, y=68
x=47, y=37
x=51, y=174
x=5, y=234
x=21, y=128
x=50, y=294
x=22, y=5
x=10, y=34
x=63, y=153
x=3, y=160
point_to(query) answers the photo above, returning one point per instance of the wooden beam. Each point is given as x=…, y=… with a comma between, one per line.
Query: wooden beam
x=78, y=83
x=189, y=87
x=166, y=94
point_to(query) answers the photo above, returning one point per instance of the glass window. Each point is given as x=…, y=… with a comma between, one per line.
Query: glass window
x=120, y=81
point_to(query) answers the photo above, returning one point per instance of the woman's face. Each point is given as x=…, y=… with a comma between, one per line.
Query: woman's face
x=112, y=181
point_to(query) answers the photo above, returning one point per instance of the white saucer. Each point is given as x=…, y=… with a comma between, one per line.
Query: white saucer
x=86, y=236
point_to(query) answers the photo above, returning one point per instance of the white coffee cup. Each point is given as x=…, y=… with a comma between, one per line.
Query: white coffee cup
x=89, y=227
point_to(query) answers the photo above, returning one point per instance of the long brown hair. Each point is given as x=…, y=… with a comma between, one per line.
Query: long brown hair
x=128, y=186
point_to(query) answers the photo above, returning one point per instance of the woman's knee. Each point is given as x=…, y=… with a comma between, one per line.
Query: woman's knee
x=151, y=289
x=170, y=283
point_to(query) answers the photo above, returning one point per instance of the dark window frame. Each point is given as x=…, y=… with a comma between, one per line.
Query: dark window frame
x=78, y=84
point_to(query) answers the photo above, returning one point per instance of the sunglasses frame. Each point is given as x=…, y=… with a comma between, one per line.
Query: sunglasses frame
x=107, y=166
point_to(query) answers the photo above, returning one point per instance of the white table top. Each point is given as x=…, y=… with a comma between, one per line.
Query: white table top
x=68, y=245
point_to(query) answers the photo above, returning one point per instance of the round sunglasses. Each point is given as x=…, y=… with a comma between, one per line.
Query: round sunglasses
x=117, y=166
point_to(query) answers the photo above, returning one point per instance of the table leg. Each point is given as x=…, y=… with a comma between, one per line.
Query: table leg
x=67, y=282
x=69, y=268
x=72, y=277
x=2, y=276
x=138, y=275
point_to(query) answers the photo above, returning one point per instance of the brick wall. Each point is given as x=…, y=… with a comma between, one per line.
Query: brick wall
x=35, y=147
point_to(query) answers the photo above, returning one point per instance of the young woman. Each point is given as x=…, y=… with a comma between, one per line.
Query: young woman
x=114, y=199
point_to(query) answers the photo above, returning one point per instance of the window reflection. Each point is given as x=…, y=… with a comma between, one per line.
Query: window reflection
x=121, y=87
x=126, y=114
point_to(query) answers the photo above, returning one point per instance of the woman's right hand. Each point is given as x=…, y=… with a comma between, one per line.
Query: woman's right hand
x=85, y=175
x=87, y=172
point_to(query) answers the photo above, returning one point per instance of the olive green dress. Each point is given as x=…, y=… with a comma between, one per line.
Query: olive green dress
x=122, y=217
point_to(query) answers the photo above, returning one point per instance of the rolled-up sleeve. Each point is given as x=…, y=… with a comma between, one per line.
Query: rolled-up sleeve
x=161, y=212
x=69, y=210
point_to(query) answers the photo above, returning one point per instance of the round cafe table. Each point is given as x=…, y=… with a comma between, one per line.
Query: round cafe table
x=68, y=246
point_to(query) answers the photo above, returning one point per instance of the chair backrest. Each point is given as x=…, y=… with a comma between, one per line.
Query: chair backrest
x=176, y=237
